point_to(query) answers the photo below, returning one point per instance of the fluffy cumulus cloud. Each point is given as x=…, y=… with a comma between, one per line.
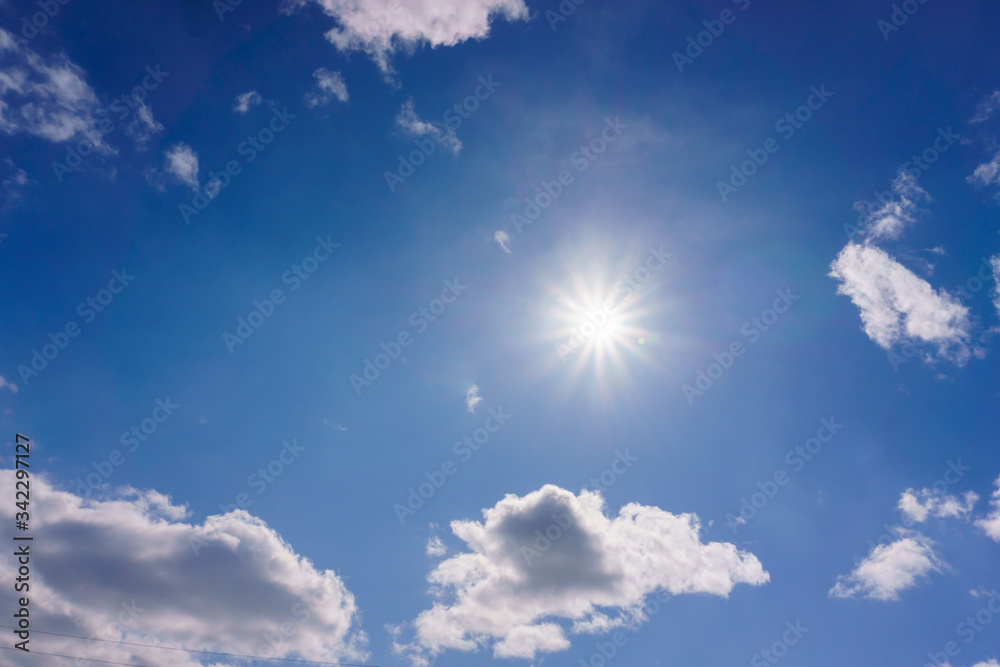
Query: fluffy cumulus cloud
x=891, y=568
x=128, y=567
x=918, y=506
x=552, y=564
x=379, y=28
x=887, y=218
x=413, y=125
x=897, y=306
x=328, y=85
x=436, y=548
x=46, y=97
x=990, y=524
x=142, y=125
x=244, y=101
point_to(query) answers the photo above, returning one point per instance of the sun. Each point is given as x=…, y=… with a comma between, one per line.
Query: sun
x=597, y=324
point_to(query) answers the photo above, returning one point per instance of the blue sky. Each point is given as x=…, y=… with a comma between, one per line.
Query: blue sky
x=496, y=331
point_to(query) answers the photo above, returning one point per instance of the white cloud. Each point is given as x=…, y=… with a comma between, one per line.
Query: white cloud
x=380, y=28
x=46, y=97
x=13, y=186
x=9, y=386
x=991, y=523
x=328, y=85
x=435, y=547
x=917, y=506
x=333, y=425
x=143, y=126
x=516, y=590
x=891, y=568
x=413, y=125
x=472, y=398
x=995, y=264
x=986, y=108
x=180, y=165
x=244, y=101
x=502, y=239
x=92, y=558
x=898, y=306
x=987, y=173
x=888, y=218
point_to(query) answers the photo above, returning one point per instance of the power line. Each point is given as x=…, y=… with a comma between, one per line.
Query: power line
x=186, y=650
x=72, y=657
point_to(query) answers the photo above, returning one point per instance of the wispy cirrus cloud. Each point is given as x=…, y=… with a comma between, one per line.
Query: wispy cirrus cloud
x=328, y=85
x=408, y=120
x=243, y=101
x=46, y=97
x=472, y=398
x=986, y=108
x=502, y=239
x=887, y=219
